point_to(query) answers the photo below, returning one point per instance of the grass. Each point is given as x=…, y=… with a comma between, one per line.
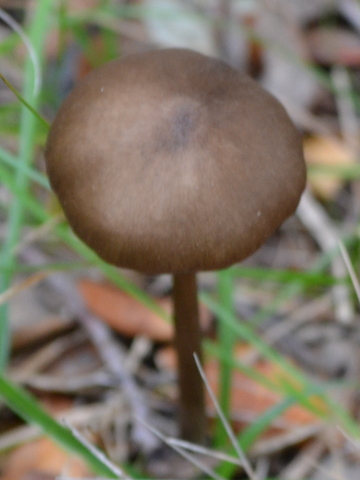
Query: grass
x=38, y=29
x=28, y=408
x=23, y=180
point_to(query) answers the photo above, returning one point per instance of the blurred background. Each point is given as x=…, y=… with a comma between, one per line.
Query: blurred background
x=92, y=344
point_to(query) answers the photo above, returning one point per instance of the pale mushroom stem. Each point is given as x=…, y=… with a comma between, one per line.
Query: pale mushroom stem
x=192, y=419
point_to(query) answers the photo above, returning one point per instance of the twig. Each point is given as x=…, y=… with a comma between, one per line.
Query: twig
x=17, y=288
x=326, y=235
x=77, y=416
x=109, y=350
x=97, y=453
x=347, y=115
x=350, y=269
x=13, y=24
x=201, y=465
x=303, y=463
x=38, y=233
x=351, y=11
x=45, y=355
x=244, y=461
x=49, y=383
x=203, y=451
x=262, y=468
x=287, y=439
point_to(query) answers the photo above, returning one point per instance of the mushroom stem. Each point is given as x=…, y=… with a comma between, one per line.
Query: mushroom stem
x=192, y=419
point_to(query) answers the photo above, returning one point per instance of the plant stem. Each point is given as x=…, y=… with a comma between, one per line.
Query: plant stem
x=192, y=418
x=38, y=27
x=226, y=341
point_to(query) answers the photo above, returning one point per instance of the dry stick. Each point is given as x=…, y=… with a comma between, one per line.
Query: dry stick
x=192, y=417
x=293, y=321
x=244, y=461
x=324, y=232
x=262, y=468
x=302, y=465
x=44, y=356
x=348, y=121
x=77, y=416
x=49, y=383
x=24, y=285
x=97, y=453
x=307, y=120
x=191, y=447
x=183, y=453
x=16, y=27
x=346, y=109
x=351, y=11
x=350, y=269
x=285, y=440
x=109, y=350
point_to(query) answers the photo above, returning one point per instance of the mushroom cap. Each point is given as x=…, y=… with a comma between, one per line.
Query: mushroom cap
x=173, y=162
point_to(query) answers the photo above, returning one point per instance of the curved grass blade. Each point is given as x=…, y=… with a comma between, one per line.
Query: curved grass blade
x=24, y=102
x=30, y=410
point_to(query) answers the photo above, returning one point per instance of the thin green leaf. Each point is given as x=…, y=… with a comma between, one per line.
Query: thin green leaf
x=344, y=172
x=31, y=411
x=308, y=279
x=31, y=173
x=65, y=234
x=24, y=102
x=226, y=344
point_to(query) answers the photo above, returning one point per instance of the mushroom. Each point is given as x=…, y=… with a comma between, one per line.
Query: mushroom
x=170, y=161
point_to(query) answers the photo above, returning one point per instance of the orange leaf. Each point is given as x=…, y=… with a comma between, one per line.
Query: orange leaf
x=128, y=316
x=326, y=151
x=41, y=458
x=125, y=314
x=334, y=46
x=249, y=398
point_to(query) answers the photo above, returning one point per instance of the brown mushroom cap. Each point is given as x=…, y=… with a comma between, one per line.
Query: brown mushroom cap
x=171, y=161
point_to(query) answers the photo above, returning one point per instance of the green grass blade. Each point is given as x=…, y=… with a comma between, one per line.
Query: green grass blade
x=307, y=279
x=343, y=172
x=28, y=125
x=65, y=234
x=32, y=174
x=26, y=104
x=226, y=341
x=292, y=382
x=31, y=411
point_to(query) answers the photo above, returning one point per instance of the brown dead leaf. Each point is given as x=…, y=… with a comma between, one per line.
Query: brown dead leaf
x=19, y=287
x=36, y=475
x=334, y=46
x=249, y=398
x=42, y=459
x=128, y=316
x=27, y=335
x=125, y=314
x=165, y=358
x=326, y=151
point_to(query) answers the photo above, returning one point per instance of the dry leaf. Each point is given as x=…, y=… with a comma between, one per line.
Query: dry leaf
x=125, y=314
x=51, y=327
x=128, y=316
x=11, y=292
x=249, y=398
x=326, y=151
x=42, y=459
x=36, y=475
x=334, y=46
